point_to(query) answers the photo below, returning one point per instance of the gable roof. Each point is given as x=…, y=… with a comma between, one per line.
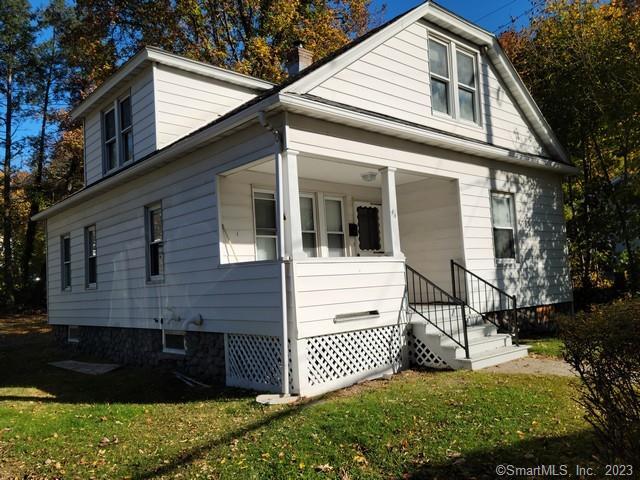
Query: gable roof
x=148, y=55
x=440, y=16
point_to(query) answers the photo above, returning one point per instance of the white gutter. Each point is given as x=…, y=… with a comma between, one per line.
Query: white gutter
x=280, y=215
x=343, y=116
x=180, y=146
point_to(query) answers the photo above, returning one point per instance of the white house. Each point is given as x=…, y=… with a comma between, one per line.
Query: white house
x=382, y=206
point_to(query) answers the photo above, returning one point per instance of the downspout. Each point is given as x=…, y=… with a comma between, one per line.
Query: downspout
x=280, y=214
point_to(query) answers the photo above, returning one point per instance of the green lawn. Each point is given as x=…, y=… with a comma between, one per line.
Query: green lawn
x=545, y=346
x=137, y=423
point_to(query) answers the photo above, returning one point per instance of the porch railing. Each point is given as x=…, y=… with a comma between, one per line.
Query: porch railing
x=484, y=298
x=442, y=310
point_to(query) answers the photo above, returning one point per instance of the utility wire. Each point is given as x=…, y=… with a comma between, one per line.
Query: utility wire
x=495, y=11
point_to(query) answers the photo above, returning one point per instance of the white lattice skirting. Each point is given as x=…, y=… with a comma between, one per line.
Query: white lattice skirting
x=253, y=361
x=421, y=355
x=333, y=361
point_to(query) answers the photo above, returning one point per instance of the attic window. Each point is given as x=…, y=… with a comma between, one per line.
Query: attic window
x=117, y=133
x=454, y=80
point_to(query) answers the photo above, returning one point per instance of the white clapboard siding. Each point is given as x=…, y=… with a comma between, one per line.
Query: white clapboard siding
x=541, y=274
x=186, y=101
x=430, y=228
x=143, y=115
x=93, y=147
x=329, y=287
x=242, y=298
x=393, y=79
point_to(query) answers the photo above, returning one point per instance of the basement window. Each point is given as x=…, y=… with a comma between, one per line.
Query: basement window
x=174, y=342
x=73, y=334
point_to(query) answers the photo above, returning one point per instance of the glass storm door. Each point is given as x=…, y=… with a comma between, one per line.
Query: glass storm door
x=369, y=220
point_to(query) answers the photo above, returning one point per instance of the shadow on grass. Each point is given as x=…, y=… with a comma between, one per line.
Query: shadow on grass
x=27, y=348
x=552, y=456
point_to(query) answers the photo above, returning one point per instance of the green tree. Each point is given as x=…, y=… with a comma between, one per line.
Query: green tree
x=581, y=61
x=47, y=89
x=16, y=41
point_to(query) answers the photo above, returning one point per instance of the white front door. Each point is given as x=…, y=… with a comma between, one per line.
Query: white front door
x=369, y=220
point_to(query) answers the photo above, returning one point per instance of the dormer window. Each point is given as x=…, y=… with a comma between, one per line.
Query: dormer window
x=110, y=141
x=126, y=135
x=454, y=80
x=118, y=134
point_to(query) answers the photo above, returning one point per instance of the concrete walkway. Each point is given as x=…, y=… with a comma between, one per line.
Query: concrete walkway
x=534, y=366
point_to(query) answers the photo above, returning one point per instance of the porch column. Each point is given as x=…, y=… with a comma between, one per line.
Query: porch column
x=291, y=205
x=390, y=212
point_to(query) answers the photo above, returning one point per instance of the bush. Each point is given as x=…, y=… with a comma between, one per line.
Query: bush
x=603, y=346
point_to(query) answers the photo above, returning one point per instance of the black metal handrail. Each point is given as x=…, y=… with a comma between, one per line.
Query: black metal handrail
x=434, y=305
x=484, y=298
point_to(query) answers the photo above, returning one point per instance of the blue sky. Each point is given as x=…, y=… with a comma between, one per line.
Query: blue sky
x=492, y=15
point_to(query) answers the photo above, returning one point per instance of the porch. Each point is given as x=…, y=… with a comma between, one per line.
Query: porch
x=341, y=239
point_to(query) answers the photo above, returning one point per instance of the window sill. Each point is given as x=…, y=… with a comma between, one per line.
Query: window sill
x=458, y=122
x=155, y=281
x=91, y=286
x=506, y=264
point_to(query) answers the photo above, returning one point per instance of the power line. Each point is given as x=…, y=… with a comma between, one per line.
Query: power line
x=514, y=19
x=495, y=11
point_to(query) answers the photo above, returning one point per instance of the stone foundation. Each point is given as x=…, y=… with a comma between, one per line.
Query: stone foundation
x=204, y=358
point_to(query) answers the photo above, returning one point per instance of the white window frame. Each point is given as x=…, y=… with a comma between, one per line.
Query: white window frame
x=119, y=132
x=326, y=232
x=176, y=351
x=73, y=337
x=148, y=242
x=87, y=256
x=462, y=86
x=513, y=228
x=66, y=287
x=447, y=81
x=453, y=47
x=255, y=229
x=105, y=141
x=315, y=221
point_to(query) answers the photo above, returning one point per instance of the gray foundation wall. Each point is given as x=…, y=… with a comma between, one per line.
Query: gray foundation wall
x=204, y=358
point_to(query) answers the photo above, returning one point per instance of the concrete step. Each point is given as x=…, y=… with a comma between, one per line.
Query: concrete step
x=478, y=346
x=475, y=331
x=492, y=358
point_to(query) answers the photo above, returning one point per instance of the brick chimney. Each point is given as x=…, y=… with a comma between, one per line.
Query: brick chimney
x=298, y=59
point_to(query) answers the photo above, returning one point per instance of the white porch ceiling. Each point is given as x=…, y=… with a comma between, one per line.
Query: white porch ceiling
x=338, y=172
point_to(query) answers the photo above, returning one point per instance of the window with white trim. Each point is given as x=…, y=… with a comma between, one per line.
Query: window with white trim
x=466, y=70
x=65, y=250
x=110, y=140
x=440, y=81
x=504, y=226
x=126, y=131
x=174, y=342
x=264, y=218
x=117, y=134
x=334, y=215
x=155, y=242
x=454, y=80
x=91, y=260
x=308, y=223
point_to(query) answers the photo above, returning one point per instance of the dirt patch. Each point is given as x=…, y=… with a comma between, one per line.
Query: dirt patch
x=534, y=365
